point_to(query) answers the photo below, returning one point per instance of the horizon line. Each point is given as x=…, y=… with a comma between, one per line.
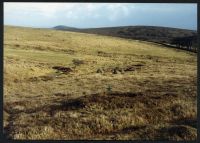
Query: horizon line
x=99, y=27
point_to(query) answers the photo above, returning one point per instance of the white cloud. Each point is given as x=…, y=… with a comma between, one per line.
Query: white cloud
x=51, y=10
x=45, y=9
x=91, y=14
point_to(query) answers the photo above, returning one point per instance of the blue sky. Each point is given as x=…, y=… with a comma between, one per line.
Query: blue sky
x=90, y=15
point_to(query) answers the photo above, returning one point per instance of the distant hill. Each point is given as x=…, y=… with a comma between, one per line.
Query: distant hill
x=163, y=35
x=62, y=27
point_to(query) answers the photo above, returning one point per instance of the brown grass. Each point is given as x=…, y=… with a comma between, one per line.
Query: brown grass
x=142, y=91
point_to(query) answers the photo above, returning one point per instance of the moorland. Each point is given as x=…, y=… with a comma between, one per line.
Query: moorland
x=75, y=85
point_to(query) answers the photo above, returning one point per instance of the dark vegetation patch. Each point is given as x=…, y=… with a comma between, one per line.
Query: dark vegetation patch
x=126, y=94
x=186, y=121
x=112, y=100
x=63, y=69
x=153, y=133
x=132, y=128
x=108, y=101
x=60, y=94
x=178, y=132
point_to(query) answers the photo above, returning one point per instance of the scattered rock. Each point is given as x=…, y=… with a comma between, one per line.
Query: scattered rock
x=77, y=62
x=116, y=71
x=133, y=67
x=120, y=70
x=17, y=45
x=32, y=79
x=47, y=35
x=99, y=70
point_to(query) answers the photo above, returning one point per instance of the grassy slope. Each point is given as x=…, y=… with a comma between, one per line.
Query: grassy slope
x=156, y=34
x=155, y=101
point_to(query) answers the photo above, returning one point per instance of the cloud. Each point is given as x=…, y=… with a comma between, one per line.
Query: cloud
x=44, y=9
x=96, y=14
x=50, y=10
x=119, y=11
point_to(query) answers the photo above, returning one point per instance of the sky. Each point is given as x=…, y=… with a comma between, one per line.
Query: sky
x=92, y=15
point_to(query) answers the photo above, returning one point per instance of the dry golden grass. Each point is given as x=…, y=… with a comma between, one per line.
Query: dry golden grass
x=117, y=88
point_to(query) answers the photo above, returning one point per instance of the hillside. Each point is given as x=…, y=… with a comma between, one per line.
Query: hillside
x=157, y=34
x=149, y=33
x=70, y=85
